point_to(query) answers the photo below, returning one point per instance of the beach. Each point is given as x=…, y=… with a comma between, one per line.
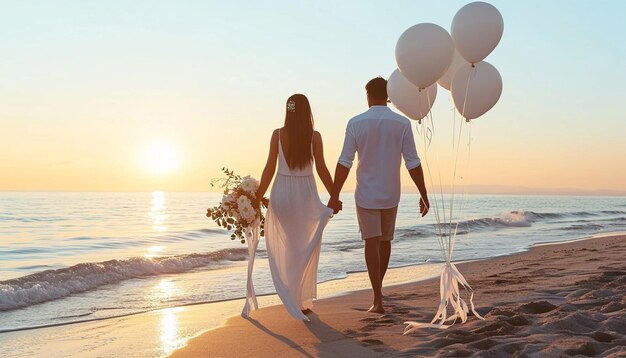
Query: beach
x=76, y=281
x=142, y=142
x=563, y=299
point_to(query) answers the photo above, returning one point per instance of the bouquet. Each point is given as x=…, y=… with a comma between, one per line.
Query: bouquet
x=240, y=209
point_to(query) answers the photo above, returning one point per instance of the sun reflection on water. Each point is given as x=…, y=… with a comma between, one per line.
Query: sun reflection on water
x=162, y=291
x=154, y=251
x=158, y=211
x=169, y=332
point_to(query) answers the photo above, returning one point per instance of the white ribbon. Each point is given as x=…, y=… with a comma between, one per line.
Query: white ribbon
x=253, y=235
x=450, y=295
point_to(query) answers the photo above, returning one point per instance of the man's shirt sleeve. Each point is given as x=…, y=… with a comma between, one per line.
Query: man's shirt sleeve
x=349, y=148
x=411, y=159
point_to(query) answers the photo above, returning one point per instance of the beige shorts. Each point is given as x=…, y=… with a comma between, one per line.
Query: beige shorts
x=377, y=222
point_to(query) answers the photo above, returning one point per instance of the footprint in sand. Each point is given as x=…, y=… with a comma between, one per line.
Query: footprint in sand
x=602, y=337
x=538, y=307
x=518, y=321
x=501, y=312
x=612, y=307
x=371, y=341
x=583, y=348
x=359, y=309
x=498, y=328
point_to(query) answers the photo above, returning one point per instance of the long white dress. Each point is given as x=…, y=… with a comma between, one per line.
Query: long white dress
x=295, y=221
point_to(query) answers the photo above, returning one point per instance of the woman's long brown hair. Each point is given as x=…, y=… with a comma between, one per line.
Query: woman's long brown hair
x=299, y=128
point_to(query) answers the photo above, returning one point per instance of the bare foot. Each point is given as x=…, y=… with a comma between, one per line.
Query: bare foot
x=376, y=308
x=306, y=311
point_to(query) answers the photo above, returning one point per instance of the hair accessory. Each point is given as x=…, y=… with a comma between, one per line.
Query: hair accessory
x=291, y=106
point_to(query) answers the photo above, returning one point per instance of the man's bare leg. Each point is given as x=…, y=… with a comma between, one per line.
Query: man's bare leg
x=372, y=260
x=385, y=253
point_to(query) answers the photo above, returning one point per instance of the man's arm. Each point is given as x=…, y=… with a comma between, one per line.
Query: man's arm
x=414, y=166
x=341, y=174
x=417, y=174
x=343, y=169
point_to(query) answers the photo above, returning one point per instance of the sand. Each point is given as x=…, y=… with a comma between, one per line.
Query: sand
x=554, y=300
x=158, y=333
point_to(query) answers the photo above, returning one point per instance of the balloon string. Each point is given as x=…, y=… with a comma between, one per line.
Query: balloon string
x=467, y=91
x=427, y=142
x=443, y=203
x=453, y=192
x=467, y=176
x=441, y=223
x=453, y=125
x=456, y=226
x=465, y=180
x=456, y=160
x=437, y=218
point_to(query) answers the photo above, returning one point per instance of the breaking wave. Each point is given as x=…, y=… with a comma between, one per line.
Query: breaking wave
x=512, y=219
x=53, y=284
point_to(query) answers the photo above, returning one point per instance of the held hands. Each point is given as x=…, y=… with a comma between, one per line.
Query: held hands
x=335, y=204
x=424, y=206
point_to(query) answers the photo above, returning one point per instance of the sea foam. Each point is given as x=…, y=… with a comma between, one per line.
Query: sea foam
x=53, y=284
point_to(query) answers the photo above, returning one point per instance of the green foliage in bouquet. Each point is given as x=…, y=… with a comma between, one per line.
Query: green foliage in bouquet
x=240, y=207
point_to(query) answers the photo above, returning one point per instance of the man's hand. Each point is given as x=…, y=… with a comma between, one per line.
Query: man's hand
x=424, y=206
x=335, y=204
x=418, y=178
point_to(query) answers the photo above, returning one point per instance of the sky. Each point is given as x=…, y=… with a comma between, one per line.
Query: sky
x=91, y=92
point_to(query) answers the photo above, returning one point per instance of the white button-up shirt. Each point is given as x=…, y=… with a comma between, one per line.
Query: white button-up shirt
x=381, y=137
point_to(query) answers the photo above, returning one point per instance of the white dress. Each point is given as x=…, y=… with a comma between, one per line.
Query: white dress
x=295, y=221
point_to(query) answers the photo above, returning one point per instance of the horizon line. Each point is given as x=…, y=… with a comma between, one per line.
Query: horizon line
x=460, y=190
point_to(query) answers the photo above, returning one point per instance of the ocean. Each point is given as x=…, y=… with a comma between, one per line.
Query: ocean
x=72, y=257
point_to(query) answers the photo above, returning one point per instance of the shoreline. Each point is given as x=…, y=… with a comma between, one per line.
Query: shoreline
x=158, y=332
x=197, y=319
x=228, y=300
x=339, y=279
x=269, y=324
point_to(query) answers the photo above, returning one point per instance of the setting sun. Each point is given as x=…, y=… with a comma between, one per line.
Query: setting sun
x=160, y=158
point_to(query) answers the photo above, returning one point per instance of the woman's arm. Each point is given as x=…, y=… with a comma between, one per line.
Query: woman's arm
x=320, y=164
x=270, y=166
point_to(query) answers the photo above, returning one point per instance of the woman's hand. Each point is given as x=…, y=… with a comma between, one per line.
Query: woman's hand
x=336, y=205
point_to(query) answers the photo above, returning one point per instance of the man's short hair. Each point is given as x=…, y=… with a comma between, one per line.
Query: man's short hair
x=377, y=88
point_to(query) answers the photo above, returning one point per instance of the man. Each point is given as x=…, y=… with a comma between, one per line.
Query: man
x=381, y=137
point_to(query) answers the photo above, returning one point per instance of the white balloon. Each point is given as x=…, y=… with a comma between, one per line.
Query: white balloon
x=423, y=53
x=457, y=62
x=475, y=90
x=409, y=99
x=476, y=30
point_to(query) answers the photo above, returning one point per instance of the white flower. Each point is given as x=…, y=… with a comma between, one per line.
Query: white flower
x=247, y=212
x=250, y=184
x=243, y=201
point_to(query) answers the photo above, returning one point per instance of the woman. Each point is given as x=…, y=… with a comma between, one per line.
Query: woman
x=295, y=216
